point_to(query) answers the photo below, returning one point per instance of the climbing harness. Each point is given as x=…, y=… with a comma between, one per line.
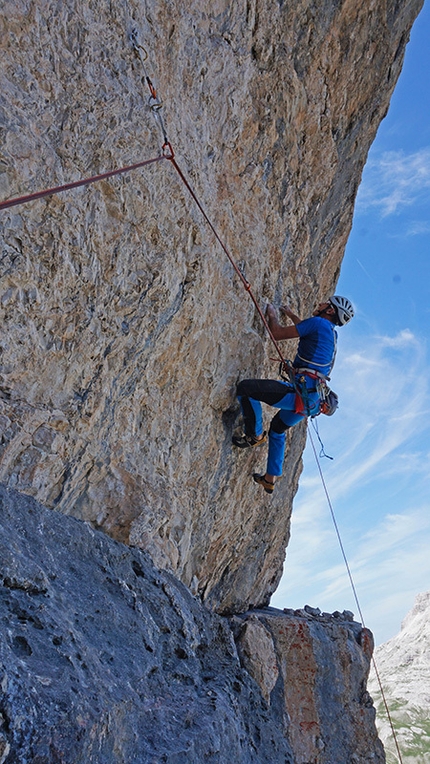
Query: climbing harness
x=329, y=400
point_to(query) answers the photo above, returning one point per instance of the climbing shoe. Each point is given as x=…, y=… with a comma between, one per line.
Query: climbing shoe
x=248, y=441
x=261, y=480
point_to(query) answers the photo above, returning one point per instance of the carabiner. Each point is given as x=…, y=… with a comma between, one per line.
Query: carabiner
x=155, y=104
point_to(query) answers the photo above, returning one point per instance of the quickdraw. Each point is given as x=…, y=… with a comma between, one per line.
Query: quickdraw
x=154, y=102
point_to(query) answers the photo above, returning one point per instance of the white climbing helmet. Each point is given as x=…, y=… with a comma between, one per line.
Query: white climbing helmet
x=344, y=307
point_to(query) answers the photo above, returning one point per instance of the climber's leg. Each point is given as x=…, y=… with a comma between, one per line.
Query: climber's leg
x=250, y=392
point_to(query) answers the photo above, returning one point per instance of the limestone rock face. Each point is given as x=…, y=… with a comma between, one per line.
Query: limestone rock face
x=125, y=329
x=106, y=660
x=404, y=668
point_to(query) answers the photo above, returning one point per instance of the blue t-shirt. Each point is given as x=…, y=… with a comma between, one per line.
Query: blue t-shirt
x=317, y=345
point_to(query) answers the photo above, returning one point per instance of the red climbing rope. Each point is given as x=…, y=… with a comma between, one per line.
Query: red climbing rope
x=156, y=104
x=245, y=283
x=84, y=182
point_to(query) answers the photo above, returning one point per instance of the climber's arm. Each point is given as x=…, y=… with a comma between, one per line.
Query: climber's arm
x=281, y=332
x=287, y=312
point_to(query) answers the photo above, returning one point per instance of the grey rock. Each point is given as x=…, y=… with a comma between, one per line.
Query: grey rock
x=124, y=332
x=314, y=611
x=348, y=615
x=106, y=660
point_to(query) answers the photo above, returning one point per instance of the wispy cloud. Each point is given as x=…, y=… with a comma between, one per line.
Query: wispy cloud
x=383, y=396
x=395, y=180
x=379, y=439
x=390, y=564
x=418, y=228
x=394, y=554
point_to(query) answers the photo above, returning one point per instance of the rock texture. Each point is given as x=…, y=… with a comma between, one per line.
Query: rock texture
x=404, y=667
x=321, y=662
x=124, y=329
x=106, y=660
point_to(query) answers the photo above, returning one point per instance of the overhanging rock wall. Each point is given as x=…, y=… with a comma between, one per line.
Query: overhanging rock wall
x=124, y=329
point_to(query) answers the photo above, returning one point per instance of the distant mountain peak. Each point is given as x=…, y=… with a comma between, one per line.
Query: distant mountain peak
x=421, y=605
x=404, y=667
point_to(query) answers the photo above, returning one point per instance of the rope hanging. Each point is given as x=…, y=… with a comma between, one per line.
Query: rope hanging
x=167, y=153
x=245, y=283
x=84, y=182
x=354, y=590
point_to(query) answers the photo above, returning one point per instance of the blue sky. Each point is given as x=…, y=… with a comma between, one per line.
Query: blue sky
x=379, y=479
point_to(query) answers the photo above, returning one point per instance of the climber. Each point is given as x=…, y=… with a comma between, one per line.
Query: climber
x=314, y=359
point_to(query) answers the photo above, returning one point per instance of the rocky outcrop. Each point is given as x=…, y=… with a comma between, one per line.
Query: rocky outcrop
x=404, y=667
x=124, y=329
x=321, y=662
x=106, y=660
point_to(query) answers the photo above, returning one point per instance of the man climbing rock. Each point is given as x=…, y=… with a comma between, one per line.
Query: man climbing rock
x=314, y=360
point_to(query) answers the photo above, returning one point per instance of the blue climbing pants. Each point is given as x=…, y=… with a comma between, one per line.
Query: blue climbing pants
x=282, y=396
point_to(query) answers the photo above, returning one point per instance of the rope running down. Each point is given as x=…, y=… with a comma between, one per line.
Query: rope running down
x=354, y=590
x=156, y=104
x=245, y=283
